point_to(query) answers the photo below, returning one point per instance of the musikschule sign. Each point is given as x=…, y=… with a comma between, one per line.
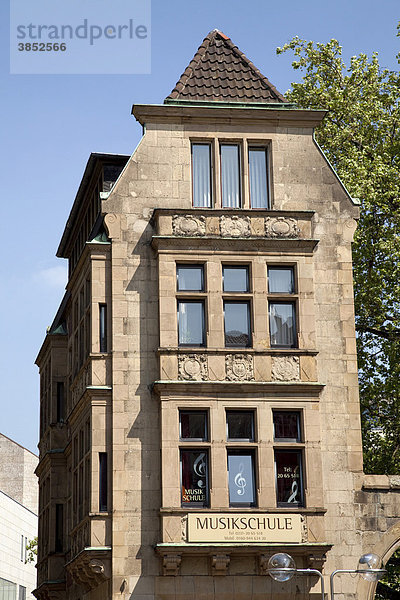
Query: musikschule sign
x=244, y=527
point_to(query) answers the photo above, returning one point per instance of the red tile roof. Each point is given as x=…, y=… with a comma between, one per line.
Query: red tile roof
x=220, y=72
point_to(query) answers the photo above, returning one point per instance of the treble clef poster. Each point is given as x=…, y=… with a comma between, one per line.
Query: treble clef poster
x=289, y=477
x=241, y=479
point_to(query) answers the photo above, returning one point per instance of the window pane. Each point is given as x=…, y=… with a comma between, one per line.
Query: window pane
x=289, y=477
x=194, y=477
x=8, y=590
x=240, y=425
x=258, y=177
x=236, y=279
x=103, y=327
x=241, y=478
x=230, y=178
x=287, y=426
x=190, y=278
x=280, y=280
x=282, y=324
x=193, y=425
x=237, y=324
x=201, y=172
x=191, y=323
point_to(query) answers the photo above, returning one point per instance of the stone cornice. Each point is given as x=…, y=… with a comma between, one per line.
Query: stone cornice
x=298, y=389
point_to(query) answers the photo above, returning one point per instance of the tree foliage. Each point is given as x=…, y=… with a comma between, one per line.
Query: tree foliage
x=360, y=136
x=32, y=548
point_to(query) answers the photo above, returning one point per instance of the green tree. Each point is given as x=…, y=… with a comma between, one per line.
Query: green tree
x=360, y=136
x=32, y=547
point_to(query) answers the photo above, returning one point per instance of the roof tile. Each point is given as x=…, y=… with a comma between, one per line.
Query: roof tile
x=220, y=72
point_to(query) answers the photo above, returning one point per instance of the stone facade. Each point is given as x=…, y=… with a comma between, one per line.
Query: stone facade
x=116, y=459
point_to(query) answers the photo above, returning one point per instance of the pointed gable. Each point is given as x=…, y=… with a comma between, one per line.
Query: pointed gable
x=220, y=72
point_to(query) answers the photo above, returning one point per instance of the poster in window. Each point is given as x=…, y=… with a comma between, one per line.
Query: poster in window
x=289, y=477
x=194, y=477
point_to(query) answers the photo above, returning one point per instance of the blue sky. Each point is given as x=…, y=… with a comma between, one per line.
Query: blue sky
x=51, y=123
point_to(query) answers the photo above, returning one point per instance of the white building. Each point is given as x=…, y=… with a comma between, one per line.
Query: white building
x=18, y=520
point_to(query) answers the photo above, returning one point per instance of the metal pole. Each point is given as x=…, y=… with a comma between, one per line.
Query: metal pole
x=314, y=572
x=378, y=572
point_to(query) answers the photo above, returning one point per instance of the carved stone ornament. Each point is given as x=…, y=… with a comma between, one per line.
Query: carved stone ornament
x=171, y=564
x=193, y=367
x=189, y=225
x=235, y=226
x=97, y=566
x=220, y=564
x=285, y=368
x=239, y=367
x=281, y=227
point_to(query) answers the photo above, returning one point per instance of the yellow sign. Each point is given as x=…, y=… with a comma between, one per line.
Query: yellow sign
x=244, y=527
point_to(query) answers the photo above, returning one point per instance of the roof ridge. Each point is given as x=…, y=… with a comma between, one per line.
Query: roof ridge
x=184, y=88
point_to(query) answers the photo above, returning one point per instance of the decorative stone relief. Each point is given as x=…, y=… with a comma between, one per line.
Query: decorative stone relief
x=97, y=566
x=281, y=227
x=239, y=367
x=220, y=564
x=171, y=564
x=113, y=225
x=184, y=526
x=285, y=368
x=193, y=367
x=235, y=226
x=189, y=225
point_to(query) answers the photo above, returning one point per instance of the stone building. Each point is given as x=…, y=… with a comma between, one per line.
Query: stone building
x=199, y=397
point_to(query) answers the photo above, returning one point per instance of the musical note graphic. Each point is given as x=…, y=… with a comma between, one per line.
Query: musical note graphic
x=199, y=468
x=295, y=487
x=240, y=481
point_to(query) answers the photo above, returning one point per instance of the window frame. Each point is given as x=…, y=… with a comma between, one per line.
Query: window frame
x=238, y=300
x=239, y=146
x=285, y=298
x=231, y=411
x=199, y=449
x=266, y=148
x=211, y=170
x=205, y=413
x=300, y=453
x=244, y=451
x=202, y=302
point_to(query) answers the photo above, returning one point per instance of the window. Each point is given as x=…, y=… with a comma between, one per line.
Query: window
x=288, y=461
x=241, y=479
x=22, y=593
x=258, y=177
x=103, y=327
x=8, y=590
x=60, y=402
x=282, y=313
x=237, y=324
x=59, y=532
x=22, y=557
x=191, y=312
x=230, y=176
x=191, y=323
x=194, y=477
x=190, y=278
x=235, y=279
x=193, y=426
x=287, y=426
x=201, y=175
x=103, y=482
x=240, y=425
